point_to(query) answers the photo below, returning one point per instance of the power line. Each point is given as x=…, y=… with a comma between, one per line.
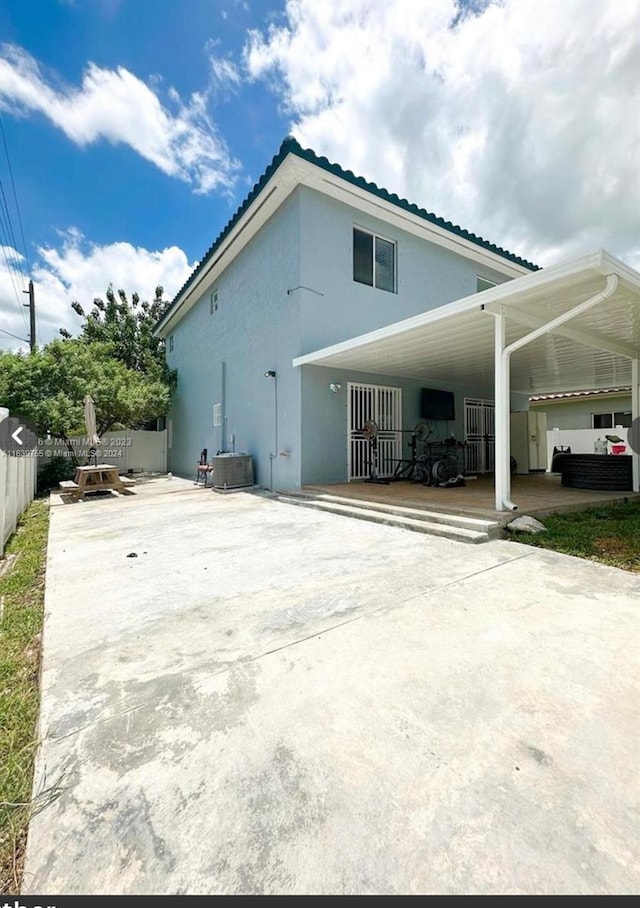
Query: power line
x=15, y=197
x=9, y=263
x=8, y=227
x=14, y=263
x=5, y=211
x=2, y=331
x=4, y=241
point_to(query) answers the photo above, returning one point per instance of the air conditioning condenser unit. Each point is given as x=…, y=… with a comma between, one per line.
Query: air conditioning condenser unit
x=232, y=471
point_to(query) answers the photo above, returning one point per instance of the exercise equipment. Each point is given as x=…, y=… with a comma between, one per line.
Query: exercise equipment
x=370, y=432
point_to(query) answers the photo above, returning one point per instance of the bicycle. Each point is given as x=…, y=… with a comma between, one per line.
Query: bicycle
x=415, y=470
x=418, y=468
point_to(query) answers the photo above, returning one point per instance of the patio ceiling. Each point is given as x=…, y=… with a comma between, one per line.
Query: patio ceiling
x=455, y=342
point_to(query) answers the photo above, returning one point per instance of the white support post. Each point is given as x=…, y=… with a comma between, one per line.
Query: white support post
x=502, y=474
x=503, y=382
x=635, y=417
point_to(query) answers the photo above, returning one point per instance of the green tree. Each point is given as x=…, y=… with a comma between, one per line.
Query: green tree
x=127, y=325
x=48, y=388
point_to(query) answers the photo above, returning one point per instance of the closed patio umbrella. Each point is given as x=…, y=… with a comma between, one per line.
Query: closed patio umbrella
x=90, y=423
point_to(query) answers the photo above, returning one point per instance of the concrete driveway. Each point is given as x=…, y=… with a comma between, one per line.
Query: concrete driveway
x=269, y=699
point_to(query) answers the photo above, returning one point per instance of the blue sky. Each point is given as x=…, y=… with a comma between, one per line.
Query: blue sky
x=110, y=192
x=136, y=127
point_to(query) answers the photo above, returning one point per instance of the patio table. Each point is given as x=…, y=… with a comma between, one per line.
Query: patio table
x=101, y=478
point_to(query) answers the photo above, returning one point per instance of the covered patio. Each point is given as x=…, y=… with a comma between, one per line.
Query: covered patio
x=537, y=495
x=573, y=326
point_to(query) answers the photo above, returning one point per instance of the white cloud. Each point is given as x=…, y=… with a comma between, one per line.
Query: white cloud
x=14, y=319
x=118, y=106
x=224, y=74
x=518, y=119
x=79, y=270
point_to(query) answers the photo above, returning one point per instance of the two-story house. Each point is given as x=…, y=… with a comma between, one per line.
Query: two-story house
x=328, y=301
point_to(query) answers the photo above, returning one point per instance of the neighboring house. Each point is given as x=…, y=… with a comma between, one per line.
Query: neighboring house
x=606, y=409
x=327, y=301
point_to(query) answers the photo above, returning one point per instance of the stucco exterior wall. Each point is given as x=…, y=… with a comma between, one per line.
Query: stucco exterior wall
x=336, y=307
x=289, y=292
x=576, y=414
x=255, y=329
x=324, y=417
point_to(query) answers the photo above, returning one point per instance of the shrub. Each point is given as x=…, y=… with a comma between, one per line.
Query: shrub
x=53, y=471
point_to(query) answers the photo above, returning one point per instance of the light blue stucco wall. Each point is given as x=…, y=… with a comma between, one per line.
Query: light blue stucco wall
x=577, y=414
x=427, y=275
x=335, y=308
x=324, y=416
x=306, y=249
x=255, y=329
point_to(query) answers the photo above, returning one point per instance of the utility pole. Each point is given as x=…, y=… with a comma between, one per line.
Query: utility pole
x=31, y=305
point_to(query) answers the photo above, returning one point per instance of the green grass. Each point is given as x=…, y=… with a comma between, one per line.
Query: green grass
x=610, y=535
x=22, y=597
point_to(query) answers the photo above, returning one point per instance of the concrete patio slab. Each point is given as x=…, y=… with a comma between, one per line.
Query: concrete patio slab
x=539, y=494
x=269, y=699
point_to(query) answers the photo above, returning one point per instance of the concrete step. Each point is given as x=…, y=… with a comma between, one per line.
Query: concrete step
x=481, y=525
x=417, y=525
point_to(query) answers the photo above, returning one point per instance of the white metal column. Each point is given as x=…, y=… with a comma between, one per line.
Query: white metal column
x=635, y=422
x=502, y=383
x=502, y=474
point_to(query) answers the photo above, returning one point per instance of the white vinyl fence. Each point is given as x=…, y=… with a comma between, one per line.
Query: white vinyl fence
x=17, y=488
x=583, y=441
x=130, y=449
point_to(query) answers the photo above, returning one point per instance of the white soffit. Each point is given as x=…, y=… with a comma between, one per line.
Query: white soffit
x=456, y=342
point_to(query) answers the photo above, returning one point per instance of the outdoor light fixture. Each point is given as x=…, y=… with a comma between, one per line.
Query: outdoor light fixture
x=334, y=388
x=270, y=374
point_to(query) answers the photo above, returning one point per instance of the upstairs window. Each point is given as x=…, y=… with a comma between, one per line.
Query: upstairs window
x=213, y=302
x=374, y=260
x=171, y=343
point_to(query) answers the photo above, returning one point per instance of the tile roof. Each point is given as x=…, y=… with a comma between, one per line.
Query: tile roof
x=565, y=395
x=291, y=146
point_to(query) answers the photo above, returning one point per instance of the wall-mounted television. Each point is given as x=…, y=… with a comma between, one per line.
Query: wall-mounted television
x=436, y=404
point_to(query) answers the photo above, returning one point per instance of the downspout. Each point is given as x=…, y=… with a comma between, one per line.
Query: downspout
x=274, y=454
x=505, y=369
x=223, y=399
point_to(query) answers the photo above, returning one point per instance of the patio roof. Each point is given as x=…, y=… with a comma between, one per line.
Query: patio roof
x=455, y=342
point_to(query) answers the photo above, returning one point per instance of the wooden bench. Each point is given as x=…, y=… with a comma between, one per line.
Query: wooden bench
x=69, y=486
